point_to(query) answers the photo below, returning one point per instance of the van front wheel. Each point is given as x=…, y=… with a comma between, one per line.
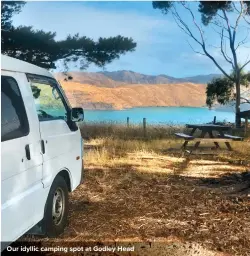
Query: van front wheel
x=56, y=212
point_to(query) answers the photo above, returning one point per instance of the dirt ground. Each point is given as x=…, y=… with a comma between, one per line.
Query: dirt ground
x=163, y=204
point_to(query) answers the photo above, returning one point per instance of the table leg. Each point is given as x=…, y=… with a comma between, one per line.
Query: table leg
x=228, y=146
x=221, y=134
x=197, y=144
x=203, y=134
x=193, y=131
x=227, y=143
x=185, y=144
x=215, y=143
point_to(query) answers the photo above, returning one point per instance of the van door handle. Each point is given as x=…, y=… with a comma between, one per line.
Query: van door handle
x=27, y=151
x=43, y=146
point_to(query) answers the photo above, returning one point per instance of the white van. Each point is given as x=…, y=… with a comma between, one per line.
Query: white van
x=42, y=151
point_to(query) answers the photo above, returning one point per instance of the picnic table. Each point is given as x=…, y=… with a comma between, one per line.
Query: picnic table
x=208, y=129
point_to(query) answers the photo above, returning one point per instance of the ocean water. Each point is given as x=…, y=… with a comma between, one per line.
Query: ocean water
x=160, y=115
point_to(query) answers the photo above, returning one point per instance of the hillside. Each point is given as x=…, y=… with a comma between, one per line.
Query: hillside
x=128, y=96
x=137, y=78
x=96, y=79
x=123, y=78
x=131, y=77
x=202, y=79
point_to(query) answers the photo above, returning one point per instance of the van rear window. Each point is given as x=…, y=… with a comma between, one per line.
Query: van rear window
x=14, y=122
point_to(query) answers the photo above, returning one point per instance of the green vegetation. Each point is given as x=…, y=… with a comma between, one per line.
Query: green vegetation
x=222, y=89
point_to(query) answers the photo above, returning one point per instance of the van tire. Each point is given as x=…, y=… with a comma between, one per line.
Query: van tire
x=56, y=209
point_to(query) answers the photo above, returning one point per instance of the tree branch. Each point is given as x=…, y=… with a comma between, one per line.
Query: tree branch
x=245, y=99
x=228, y=27
x=226, y=52
x=222, y=50
x=218, y=24
x=232, y=47
x=238, y=20
x=194, y=21
x=235, y=7
x=245, y=65
x=246, y=14
x=248, y=22
x=219, y=33
x=202, y=42
x=243, y=41
x=185, y=26
x=195, y=50
x=216, y=64
x=221, y=16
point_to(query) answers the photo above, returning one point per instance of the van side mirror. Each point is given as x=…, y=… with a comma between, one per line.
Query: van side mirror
x=77, y=114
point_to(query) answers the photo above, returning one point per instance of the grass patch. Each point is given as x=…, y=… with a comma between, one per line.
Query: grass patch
x=116, y=130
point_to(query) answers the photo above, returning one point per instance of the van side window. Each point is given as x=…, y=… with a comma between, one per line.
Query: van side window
x=14, y=121
x=48, y=99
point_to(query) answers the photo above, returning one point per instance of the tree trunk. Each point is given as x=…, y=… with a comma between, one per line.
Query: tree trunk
x=237, y=106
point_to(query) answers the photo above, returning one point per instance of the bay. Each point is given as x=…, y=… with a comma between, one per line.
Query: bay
x=160, y=115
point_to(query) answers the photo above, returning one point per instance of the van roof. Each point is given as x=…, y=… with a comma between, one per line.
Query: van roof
x=12, y=64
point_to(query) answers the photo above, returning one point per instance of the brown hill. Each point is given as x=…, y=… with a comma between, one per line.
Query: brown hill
x=128, y=96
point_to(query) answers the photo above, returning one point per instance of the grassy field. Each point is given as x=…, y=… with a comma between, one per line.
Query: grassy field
x=140, y=189
x=92, y=130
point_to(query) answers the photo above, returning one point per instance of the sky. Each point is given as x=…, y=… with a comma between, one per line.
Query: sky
x=162, y=48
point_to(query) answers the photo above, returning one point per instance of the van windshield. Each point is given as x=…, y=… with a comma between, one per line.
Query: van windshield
x=48, y=100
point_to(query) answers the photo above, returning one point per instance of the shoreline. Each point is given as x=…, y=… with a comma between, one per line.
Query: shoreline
x=144, y=107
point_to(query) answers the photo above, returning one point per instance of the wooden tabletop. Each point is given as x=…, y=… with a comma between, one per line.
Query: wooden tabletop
x=209, y=127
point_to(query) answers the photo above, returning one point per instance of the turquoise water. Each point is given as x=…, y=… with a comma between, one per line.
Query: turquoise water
x=159, y=115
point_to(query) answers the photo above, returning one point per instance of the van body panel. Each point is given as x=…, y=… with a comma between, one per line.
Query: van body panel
x=62, y=151
x=15, y=65
x=53, y=146
x=21, y=179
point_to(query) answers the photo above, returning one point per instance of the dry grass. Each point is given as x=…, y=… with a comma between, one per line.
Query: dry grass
x=139, y=190
x=93, y=130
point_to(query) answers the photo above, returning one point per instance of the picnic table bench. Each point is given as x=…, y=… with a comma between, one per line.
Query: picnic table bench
x=208, y=129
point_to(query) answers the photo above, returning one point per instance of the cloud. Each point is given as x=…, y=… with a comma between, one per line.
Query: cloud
x=153, y=33
x=91, y=21
x=161, y=45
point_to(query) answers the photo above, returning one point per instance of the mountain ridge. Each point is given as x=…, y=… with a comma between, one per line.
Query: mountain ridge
x=124, y=77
